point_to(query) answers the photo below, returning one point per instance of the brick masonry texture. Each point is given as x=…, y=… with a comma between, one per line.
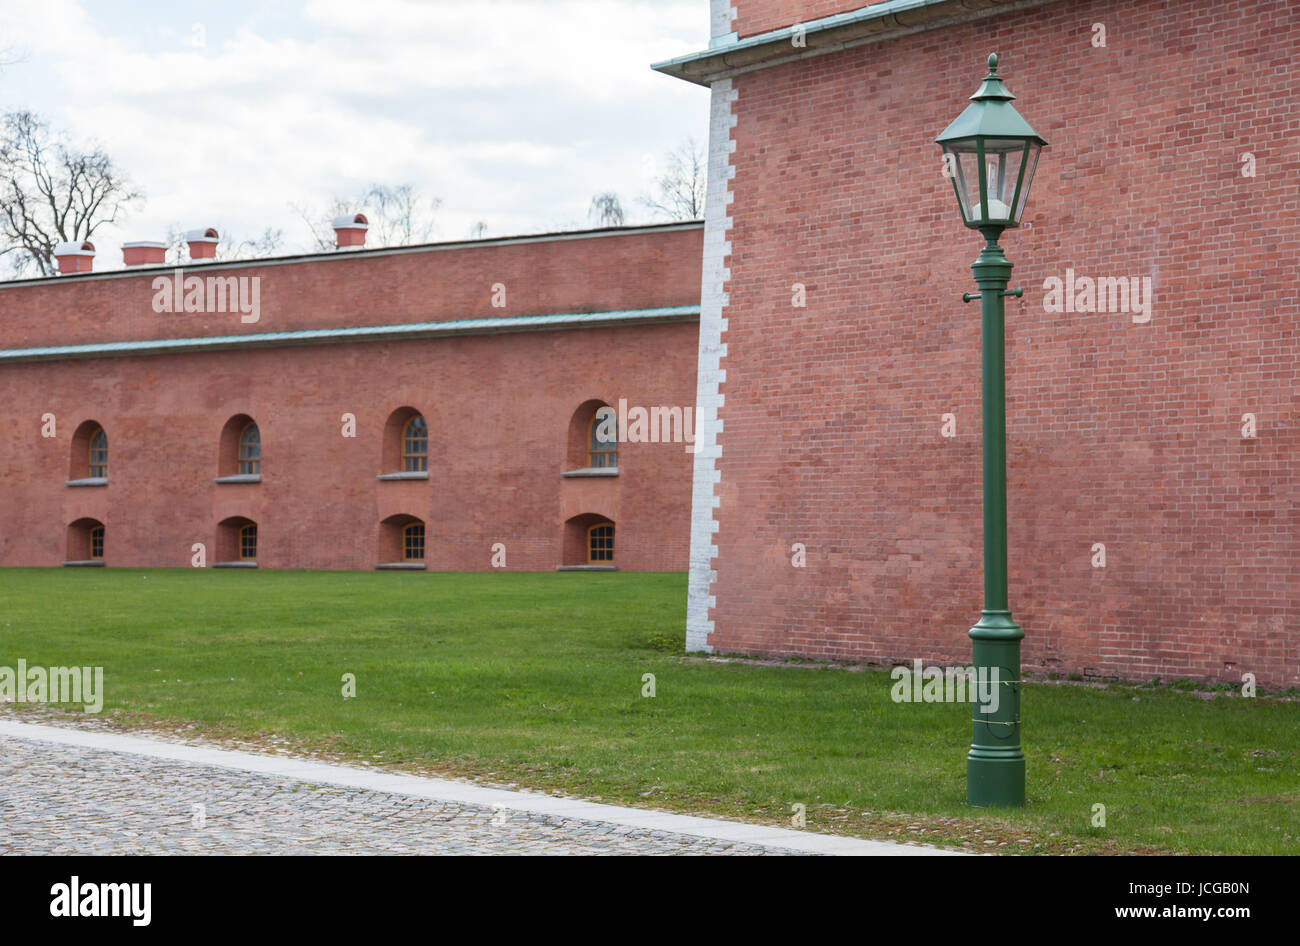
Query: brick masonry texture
x=1118, y=433
x=498, y=407
x=760, y=16
x=581, y=273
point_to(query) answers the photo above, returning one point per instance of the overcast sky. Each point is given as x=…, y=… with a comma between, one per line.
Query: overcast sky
x=513, y=112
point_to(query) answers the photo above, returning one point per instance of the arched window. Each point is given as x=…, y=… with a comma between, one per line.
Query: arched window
x=89, y=455
x=250, y=451
x=600, y=544
x=404, y=453
x=401, y=542
x=236, y=543
x=602, y=439
x=239, y=451
x=99, y=454
x=587, y=543
x=413, y=542
x=415, y=445
x=591, y=448
x=85, y=542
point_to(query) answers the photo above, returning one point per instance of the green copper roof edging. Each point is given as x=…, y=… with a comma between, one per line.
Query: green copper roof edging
x=157, y=346
x=831, y=33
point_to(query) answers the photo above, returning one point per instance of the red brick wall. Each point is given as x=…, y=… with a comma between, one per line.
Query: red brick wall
x=577, y=274
x=1118, y=433
x=498, y=408
x=759, y=16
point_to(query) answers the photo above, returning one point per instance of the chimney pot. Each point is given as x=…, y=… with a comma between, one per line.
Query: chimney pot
x=202, y=242
x=144, y=253
x=350, y=231
x=75, y=256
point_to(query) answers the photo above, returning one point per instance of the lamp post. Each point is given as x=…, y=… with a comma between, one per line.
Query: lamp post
x=991, y=153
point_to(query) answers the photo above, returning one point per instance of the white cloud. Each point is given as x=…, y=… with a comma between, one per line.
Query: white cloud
x=511, y=111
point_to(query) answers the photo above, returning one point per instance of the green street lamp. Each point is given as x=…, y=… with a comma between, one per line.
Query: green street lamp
x=991, y=153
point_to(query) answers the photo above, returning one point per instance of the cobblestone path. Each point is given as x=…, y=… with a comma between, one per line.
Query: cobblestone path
x=73, y=800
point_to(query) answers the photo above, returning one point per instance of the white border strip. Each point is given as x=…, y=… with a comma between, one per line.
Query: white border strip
x=461, y=792
x=516, y=323
x=710, y=373
x=775, y=47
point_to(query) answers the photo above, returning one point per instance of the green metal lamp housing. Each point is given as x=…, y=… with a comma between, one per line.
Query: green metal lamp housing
x=991, y=153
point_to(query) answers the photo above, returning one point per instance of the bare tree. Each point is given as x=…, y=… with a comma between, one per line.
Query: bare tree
x=681, y=187
x=399, y=215
x=268, y=244
x=606, y=210
x=271, y=240
x=52, y=192
x=178, y=250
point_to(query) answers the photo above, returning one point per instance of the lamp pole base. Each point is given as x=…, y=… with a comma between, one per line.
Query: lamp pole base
x=995, y=766
x=995, y=778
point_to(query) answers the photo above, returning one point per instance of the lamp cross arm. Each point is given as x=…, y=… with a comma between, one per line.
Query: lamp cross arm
x=972, y=296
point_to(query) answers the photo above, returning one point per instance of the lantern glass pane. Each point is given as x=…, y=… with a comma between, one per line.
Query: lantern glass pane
x=1030, y=166
x=962, y=165
x=1002, y=160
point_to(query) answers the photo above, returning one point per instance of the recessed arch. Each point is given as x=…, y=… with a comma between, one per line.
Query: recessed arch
x=402, y=540
x=85, y=541
x=589, y=539
x=593, y=437
x=237, y=541
x=89, y=458
x=239, y=449
x=406, y=443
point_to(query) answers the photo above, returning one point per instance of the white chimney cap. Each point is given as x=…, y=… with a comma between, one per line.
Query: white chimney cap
x=75, y=248
x=201, y=235
x=351, y=222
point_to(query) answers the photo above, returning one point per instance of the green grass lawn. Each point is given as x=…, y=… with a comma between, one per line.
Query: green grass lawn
x=536, y=679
